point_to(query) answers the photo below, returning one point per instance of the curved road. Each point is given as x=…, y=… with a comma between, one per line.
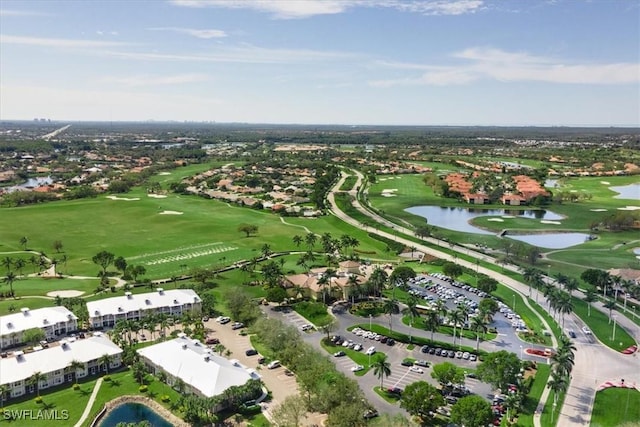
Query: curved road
x=594, y=362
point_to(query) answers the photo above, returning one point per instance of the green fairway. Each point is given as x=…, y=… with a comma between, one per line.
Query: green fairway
x=615, y=407
x=41, y=286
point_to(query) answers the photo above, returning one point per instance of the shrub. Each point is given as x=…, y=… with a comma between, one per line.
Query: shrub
x=106, y=378
x=38, y=399
x=165, y=398
x=143, y=389
x=76, y=386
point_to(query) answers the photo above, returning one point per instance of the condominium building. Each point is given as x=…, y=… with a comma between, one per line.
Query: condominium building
x=54, y=322
x=106, y=312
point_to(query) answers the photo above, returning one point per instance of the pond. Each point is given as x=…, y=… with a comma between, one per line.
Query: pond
x=134, y=413
x=457, y=219
x=631, y=191
x=552, y=240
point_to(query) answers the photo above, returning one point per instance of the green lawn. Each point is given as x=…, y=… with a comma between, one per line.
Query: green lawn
x=615, y=407
x=531, y=400
x=10, y=305
x=314, y=312
x=389, y=397
x=75, y=401
x=41, y=286
x=599, y=324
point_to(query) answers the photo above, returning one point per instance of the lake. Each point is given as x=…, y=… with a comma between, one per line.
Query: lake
x=551, y=240
x=134, y=413
x=457, y=219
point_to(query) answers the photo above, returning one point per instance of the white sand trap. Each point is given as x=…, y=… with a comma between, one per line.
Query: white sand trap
x=382, y=179
x=171, y=213
x=544, y=221
x=164, y=173
x=629, y=208
x=598, y=210
x=388, y=195
x=65, y=294
x=128, y=199
x=157, y=196
x=496, y=219
x=605, y=182
x=390, y=190
x=573, y=191
x=508, y=216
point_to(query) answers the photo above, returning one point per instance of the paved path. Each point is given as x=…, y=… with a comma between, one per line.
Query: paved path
x=87, y=409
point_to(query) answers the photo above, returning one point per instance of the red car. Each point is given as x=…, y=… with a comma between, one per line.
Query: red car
x=212, y=341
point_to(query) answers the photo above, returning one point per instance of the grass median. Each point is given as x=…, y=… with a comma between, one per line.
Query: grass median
x=616, y=406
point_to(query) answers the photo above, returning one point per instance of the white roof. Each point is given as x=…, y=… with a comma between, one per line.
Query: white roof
x=39, y=318
x=186, y=359
x=146, y=301
x=57, y=357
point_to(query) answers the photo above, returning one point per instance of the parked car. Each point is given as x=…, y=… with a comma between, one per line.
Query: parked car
x=370, y=413
x=274, y=364
x=237, y=325
x=425, y=349
x=211, y=341
x=383, y=340
x=251, y=352
x=473, y=357
x=261, y=360
x=572, y=334
x=370, y=351
x=357, y=368
x=416, y=369
x=390, y=342
x=306, y=327
x=423, y=363
x=223, y=319
x=339, y=354
x=407, y=362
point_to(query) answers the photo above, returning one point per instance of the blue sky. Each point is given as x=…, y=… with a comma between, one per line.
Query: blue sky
x=387, y=62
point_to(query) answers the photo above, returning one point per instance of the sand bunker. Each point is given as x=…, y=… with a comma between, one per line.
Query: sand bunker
x=598, y=210
x=171, y=213
x=128, y=199
x=544, y=221
x=65, y=294
x=164, y=173
x=605, y=182
x=157, y=196
x=496, y=219
x=389, y=192
x=388, y=195
x=629, y=208
x=508, y=216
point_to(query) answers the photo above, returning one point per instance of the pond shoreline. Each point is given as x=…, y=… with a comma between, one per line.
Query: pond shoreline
x=155, y=406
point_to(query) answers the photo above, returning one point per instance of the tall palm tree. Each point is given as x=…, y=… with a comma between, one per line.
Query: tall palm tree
x=19, y=264
x=310, y=239
x=7, y=262
x=23, y=242
x=432, y=322
x=456, y=317
x=9, y=279
x=610, y=304
x=571, y=285
x=513, y=401
x=565, y=305
x=532, y=276
x=478, y=325
x=381, y=368
x=105, y=360
x=589, y=297
x=558, y=384
x=378, y=280
x=297, y=240
x=75, y=366
x=35, y=380
x=412, y=310
x=390, y=307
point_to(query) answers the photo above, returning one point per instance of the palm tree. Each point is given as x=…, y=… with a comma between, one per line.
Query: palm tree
x=558, y=384
x=478, y=324
x=266, y=250
x=512, y=401
x=412, y=310
x=354, y=286
x=589, y=297
x=377, y=280
x=7, y=262
x=565, y=305
x=532, y=276
x=35, y=379
x=23, y=242
x=571, y=285
x=390, y=307
x=19, y=264
x=9, y=279
x=455, y=317
x=297, y=240
x=105, y=360
x=381, y=368
x=310, y=239
x=610, y=304
x=563, y=360
x=75, y=366
x=432, y=322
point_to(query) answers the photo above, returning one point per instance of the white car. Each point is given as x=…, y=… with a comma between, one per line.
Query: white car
x=274, y=364
x=370, y=351
x=357, y=368
x=306, y=327
x=416, y=369
x=586, y=330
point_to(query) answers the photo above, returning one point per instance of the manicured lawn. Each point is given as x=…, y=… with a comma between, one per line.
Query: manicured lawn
x=418, y=324
x=531, y=400
x=599, y=324
x=41, y=286
x=389, y=397
x=348, y=183
x=616, y=406
x=314, y=312
x=9, y=305
x=549, y=415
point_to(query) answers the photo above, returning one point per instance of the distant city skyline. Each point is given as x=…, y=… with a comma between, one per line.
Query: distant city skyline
x=351, y=62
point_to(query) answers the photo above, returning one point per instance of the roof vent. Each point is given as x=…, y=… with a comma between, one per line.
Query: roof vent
x=45, y=321
x=70, y=316
x=206, y=357
x=97, y=312
x=160, y=291
x=175, y=301
x=120, y=309
x=184, y=346
x=147, y=301
x=182, y=335
x=9, y=325
x=25, y=311
x=128, y=295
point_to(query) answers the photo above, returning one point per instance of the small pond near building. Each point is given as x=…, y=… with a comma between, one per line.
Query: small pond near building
x=133, y=413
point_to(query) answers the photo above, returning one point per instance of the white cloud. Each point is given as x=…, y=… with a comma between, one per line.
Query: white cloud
x=5, y=12
x=293, y=9
x=201, y=34
x=499, y=65
x=51, y=42
x=147, y=80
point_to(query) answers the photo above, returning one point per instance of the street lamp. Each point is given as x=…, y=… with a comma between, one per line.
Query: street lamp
x=520, y=352
x=370, y=318
x=514, y=302
x=615, y=318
